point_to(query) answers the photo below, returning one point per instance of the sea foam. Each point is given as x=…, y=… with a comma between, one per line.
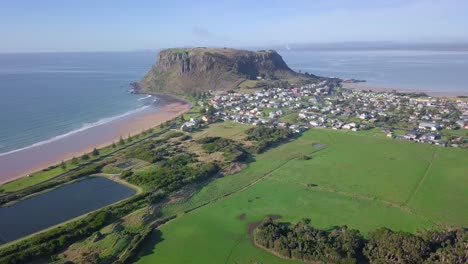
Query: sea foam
x=84, y=127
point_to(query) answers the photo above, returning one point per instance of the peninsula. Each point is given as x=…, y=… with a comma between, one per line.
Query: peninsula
x=268, y=165
x=188, y=70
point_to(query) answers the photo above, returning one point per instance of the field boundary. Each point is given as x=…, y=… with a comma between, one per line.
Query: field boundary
x=421, y=181
x=243, y=188
x=360, y=197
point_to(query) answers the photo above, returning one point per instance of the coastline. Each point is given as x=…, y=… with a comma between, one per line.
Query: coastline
x=21, y=163
x=377, y=88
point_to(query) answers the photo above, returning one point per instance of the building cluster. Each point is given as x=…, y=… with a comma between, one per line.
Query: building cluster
x=462, y=107
x=320, y=105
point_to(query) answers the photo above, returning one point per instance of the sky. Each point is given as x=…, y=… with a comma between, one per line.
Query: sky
x=114, y=25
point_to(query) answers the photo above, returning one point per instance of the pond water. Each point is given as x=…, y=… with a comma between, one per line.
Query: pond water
x=59, y=205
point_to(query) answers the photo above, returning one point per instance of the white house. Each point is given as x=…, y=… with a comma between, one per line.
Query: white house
x=429, y=126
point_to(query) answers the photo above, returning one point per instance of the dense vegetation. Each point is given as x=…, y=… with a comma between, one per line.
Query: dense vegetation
x=342, y=245
x=232, y=151
x=351, y=179
x=387, y=246
x=146, y=151
x=50, y=242
x=303, y=242
x=135, y=245
x=173, y=173
x=266, y=137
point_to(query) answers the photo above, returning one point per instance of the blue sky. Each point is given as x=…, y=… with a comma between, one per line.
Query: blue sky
x=107, y=25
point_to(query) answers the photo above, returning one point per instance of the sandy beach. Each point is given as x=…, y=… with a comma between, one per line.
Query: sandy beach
x=366, y=86
x=21, y=163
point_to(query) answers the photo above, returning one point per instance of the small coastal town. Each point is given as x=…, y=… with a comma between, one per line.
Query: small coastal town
x=252, y=132
x=412, y=117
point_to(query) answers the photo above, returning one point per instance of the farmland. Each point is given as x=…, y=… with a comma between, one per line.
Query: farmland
x=362, y=180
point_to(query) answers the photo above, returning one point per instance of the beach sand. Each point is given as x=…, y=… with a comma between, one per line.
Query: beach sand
x=376, y=88
x=21, y=163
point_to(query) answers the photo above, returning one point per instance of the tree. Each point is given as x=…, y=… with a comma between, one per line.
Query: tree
x=113, y=145
x=63, y=165
x=449, y=138
x=211, y=110
x=85, y=157
x=182, y=118
x=74, y=161
x=121, y=141
x=95, y=152
x=130, y=138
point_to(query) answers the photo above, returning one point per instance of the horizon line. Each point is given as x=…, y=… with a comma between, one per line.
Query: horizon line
x=458, y=46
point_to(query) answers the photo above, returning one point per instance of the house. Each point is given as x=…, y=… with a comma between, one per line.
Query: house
x=431, y=136
x=303, y=115
x=363, y=116
x=315, y=123
x=460, y=123
x=188, y=126
x=347, y=126
x=411, y=135
x=207, y=118
x=195, y=120
x=350, y=126
x=429, y=126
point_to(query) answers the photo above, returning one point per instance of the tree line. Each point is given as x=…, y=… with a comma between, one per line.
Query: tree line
x=303, y=242
x=232, y=151
x=266, y=137
x=173, y=173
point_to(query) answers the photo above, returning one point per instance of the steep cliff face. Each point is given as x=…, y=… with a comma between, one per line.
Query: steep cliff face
x=203, y=69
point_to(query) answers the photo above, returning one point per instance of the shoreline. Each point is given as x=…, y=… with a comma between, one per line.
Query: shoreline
x=377, y=88
x=52, y=153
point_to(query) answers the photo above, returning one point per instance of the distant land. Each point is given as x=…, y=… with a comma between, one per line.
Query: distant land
x=182, y=70
x=231, y=174
x=374, y=45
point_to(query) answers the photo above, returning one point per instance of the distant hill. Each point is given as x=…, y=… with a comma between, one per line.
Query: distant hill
x=188, y=70
x=375, y=46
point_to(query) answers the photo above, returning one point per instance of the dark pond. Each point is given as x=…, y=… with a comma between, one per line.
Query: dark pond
x=54, y=207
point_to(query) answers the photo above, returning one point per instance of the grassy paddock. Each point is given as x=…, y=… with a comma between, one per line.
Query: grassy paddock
x=362, y=180
x=34, y=178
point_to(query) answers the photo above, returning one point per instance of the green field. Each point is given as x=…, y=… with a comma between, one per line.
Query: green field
x=362, y=180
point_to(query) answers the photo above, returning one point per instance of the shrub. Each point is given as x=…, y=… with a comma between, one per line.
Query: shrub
x=95, y=152
x=85, y=157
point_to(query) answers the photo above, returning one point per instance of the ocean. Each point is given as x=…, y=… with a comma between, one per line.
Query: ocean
x=47, y=96
x=428, y=71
